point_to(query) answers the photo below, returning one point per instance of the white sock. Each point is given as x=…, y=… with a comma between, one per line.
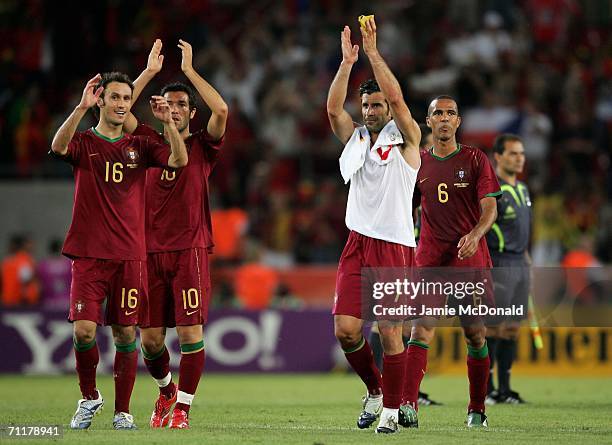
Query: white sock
x=185, y=398
x=162, y=383
x=386, y=413
x=374, y=404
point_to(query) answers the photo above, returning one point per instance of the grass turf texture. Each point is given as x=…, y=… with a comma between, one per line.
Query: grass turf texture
x=318, y=409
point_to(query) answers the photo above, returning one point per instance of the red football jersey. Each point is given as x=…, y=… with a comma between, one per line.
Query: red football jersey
x=177, y=207
x=108, y=213
x=450, y=190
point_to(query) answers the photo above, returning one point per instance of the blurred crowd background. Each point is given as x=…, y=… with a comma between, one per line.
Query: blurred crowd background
x=538, y=68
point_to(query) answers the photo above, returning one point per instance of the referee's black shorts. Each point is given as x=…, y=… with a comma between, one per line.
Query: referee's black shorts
x=511, y=279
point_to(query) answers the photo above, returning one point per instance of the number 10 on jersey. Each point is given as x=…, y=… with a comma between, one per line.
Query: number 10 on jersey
x=191, y=298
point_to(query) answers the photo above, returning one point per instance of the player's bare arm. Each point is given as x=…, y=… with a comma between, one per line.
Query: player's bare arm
x=161, y=110
x=65, y=133
x=392, y=91
x=154, y=66
x=468, y=244
x=210, y=96
x=340, y=120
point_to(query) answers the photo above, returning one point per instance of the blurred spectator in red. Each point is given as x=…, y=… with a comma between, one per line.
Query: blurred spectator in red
x=549, y=19
x=228, y=228
x=579, y=278
x=19, y=282
x=256, y=285
x=54, y=273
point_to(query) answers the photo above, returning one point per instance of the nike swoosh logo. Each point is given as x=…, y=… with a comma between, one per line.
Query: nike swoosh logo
x=94, y=154
x=129, y=313
x=423, y=180
x=192, y=312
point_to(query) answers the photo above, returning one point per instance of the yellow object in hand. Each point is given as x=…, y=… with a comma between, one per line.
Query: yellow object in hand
x=363, y=19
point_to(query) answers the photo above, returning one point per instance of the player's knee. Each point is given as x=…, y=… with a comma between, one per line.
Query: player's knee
x=391, y=337
x=475, y=336
x=189, y=334
x=347, y=338
x=84, y=331
x=392, y=344
x=123, y=335
x=84, y=335
x=422, y=334
x=152, y=345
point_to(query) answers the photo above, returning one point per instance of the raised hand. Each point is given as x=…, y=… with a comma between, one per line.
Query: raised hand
x=161, y=109
x=90, y=93
x=369, y=36
x=187, y=51
x=350, y=52
x=156, y=59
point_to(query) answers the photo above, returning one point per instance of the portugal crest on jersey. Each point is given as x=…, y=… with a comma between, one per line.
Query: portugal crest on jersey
x=461, y=177
x=132, y=156
x=79, y=306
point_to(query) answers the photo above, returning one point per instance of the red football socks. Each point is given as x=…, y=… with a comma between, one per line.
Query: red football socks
x=416, y=366
x=124, y=371
x=158, y=364
x=87, y=358
x=478, y=374
x=362, y=361
x=159, y=367
x=394, y=367
x=190, y=371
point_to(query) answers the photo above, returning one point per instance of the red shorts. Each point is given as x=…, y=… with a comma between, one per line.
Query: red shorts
x=124, y=282
x=179, y=288
x=433, y=258
x=359, y=252
x=434, y=254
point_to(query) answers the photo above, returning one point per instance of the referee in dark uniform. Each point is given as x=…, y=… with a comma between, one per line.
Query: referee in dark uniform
x=508, y=242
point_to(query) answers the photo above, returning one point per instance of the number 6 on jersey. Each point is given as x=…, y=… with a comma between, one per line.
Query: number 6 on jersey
x=442, y=193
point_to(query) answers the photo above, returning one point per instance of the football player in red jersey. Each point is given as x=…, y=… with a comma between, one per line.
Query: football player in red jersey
x=458, y=190
x=179, y=238
x=106, y=240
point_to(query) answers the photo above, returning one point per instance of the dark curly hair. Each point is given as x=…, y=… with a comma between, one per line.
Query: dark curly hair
x=368, y=87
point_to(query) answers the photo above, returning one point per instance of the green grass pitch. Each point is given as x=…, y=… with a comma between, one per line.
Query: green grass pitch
x=318, y=409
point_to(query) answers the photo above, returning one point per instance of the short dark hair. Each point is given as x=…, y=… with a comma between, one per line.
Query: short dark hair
x=114, y=76
x=368, y=87
x=443, y=96
x=425, y=131
x=180, y=86
x=500, y=142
